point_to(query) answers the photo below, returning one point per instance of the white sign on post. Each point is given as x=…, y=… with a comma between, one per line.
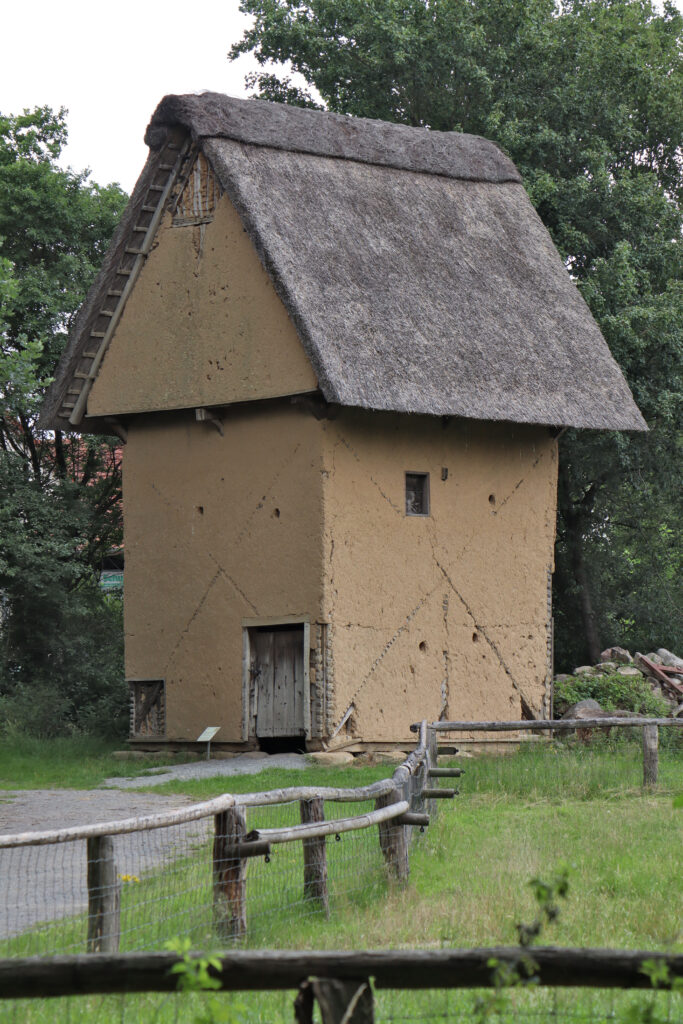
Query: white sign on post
x=207, y=736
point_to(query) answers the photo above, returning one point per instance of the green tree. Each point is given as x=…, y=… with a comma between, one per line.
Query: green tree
x=586, y=96
x=60, y=640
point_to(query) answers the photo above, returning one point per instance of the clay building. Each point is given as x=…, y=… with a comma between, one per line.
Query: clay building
x=339, y=353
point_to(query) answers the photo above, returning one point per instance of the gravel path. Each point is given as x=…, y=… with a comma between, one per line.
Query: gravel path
x=245, y=764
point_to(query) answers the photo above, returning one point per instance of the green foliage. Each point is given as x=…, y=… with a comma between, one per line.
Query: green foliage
x=613, y=692
x=587, y=98
x=61, y=664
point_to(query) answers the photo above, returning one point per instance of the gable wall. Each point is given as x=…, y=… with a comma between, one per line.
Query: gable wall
x=203, y=326
x=217, y=529
x=444, y=616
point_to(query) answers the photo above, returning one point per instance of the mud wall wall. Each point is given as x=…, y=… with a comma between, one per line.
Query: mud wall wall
x=217, y=529
x=203, y=326
x=443, y=616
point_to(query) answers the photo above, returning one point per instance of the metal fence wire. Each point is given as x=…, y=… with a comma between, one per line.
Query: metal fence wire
x=230, y=870
x=236, y=873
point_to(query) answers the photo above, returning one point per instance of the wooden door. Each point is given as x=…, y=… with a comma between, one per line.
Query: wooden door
x=277, y=669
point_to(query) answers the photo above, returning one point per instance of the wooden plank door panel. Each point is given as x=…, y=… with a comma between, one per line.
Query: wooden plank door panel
x=278, y=667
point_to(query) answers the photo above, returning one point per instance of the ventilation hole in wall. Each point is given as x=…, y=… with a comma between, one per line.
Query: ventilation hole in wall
x=475, y=637
x=492, y=499
x=276, y=513
x=200, y=509
x=422, y=645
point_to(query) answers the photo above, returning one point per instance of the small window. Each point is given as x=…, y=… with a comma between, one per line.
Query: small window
x=417, y=494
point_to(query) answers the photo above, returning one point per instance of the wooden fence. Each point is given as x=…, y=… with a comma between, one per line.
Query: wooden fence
x=342, y=982
x=401, y=802
x=650, y=727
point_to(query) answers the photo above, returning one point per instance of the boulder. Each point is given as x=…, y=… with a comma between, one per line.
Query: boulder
x=618, y=654
x=654, y=658
x=328, y=757
x=588, y=708
x=129, y=755
x=606, y=667
x=389, y=756
x=640, y=664
x=585, y=670
x=629, y=670
x=670, y=659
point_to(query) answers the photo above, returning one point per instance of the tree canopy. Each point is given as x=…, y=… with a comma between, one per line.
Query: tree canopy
x=60, y=643
x=586, y=96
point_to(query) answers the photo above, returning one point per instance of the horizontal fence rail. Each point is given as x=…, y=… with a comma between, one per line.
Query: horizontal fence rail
x=584, y=727
x=263, y=970
x=122, y=827
x=195, y=872
x=553, y=725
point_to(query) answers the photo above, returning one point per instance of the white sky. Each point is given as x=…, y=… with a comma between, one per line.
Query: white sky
x=110, y=64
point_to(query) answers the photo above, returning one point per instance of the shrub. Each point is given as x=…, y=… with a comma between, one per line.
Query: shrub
x=613, y=692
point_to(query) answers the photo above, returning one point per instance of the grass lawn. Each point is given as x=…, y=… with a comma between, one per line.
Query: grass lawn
x=517, y=817
x=82, y=762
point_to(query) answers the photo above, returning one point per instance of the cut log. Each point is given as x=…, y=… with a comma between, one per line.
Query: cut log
x=393, y=839
x=229, y=875
x=104, y=897
x=315, y=856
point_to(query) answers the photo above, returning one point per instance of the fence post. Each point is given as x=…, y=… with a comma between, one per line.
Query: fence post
x=104, y=896
x=650, y=754
x=229, y=875
x=340, y=1002
x=393, y=839
x=315, y=855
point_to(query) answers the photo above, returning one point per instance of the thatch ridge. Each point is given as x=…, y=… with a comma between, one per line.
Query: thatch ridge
x=319, y=133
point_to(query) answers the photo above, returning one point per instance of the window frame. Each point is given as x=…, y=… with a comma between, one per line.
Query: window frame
x=426, y=494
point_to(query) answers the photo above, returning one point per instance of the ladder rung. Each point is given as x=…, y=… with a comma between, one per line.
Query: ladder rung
x=79, y=375
x=106, y=312
x=156, y=188
x=115, y=292
x=140, y=229
x=88, y=355
x=165, y=167
x=124, y=272
x=97, y=334
x=68, y=405
x=146, y=208
x=73, y=391
x=172, y=145
x=135, y=252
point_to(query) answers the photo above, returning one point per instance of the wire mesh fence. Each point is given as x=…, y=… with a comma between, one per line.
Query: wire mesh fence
x=129, y=889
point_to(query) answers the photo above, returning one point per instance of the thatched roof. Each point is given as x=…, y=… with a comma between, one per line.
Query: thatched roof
x=412, y=263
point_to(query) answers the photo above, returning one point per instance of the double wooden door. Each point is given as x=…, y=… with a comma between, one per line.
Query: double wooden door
x=277, y=672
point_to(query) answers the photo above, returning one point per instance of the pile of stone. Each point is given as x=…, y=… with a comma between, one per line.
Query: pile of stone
x=661, y=669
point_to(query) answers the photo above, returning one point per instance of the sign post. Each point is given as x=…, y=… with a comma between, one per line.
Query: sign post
x=206, y=737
